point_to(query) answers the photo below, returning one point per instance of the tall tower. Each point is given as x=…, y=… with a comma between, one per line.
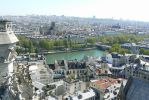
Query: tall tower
x=7, y=53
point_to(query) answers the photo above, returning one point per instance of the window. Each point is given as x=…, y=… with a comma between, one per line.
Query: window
x=80, y=71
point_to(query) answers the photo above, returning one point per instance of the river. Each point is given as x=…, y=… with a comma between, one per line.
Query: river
x=50, y=58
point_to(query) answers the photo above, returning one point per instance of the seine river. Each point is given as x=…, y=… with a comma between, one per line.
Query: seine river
x=50, y=58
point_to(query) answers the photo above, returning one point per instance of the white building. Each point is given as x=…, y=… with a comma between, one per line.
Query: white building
x=86, y=95
x=109, y=58
x=115, y=59
x=71, y=86
x=59, y=90
x=40, y=74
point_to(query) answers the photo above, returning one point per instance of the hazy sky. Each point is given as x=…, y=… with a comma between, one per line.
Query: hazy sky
x=125, y=9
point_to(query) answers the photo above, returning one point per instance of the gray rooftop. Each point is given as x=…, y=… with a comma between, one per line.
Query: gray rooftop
x=4, y=21
x=137, y=89
x=6, y=35
x=7, y=38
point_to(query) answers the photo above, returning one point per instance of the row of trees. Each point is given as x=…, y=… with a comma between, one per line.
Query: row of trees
x=26, y=45
x=121, y=38
x=64, y=43
x=144, y=51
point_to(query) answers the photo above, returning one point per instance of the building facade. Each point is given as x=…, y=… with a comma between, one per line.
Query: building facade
x=7, y=53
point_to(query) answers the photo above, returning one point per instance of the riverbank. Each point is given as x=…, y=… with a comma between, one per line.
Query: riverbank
x=79, y=55
x=67, y=51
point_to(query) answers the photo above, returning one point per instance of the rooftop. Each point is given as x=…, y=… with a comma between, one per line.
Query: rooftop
x=70, y=80
x=83, y=95
x=76, y=65
x=51, y=98
x=102, y=71
x=4, y=21
x=136, y=89
x=106, y=82
x=116, y=55
x=7, y=38
x=6, y=35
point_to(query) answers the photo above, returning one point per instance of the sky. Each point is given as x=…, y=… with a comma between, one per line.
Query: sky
x=117, y=9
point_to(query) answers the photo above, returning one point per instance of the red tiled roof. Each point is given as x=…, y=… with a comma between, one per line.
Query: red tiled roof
x=105, y=83
x=101, y=71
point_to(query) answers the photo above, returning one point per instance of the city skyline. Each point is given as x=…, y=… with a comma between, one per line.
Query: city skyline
x=117, y=9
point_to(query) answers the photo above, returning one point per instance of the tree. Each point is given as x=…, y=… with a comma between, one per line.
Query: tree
x=117, y=48
x=91, y=40
x=25, y=43
x=143, y=51
x=46, y=44
x=31, y=47
x=18, y=50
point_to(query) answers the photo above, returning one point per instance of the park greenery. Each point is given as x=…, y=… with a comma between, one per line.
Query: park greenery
x=143, y=51
x=26, y=45
x=117, y=48
x=121, y=38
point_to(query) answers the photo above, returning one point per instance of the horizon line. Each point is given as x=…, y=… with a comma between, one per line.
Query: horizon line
x=91, y=17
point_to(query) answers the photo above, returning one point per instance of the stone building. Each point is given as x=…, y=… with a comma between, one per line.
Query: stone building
x=7, y=53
